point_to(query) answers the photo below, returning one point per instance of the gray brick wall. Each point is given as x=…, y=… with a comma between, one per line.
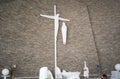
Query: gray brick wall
x=26, y=39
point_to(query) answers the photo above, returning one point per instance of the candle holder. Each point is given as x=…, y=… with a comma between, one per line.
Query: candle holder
x=5, y=73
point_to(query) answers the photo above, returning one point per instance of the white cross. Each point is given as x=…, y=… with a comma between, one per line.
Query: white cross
x=56, y=27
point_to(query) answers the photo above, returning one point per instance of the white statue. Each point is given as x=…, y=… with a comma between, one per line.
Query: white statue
x=86, y=71
x=64, y=32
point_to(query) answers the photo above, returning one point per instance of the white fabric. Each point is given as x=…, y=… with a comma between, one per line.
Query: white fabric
x=45, y=73
x=115, y=75
x=58, y=72
x=50, y=74
x=71, y=75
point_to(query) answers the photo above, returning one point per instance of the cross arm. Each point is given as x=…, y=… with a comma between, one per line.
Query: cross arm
x=63, y=19
x=47, y=16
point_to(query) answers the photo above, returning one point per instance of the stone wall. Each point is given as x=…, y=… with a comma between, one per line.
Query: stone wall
x=106, y=25
x=27, y=39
